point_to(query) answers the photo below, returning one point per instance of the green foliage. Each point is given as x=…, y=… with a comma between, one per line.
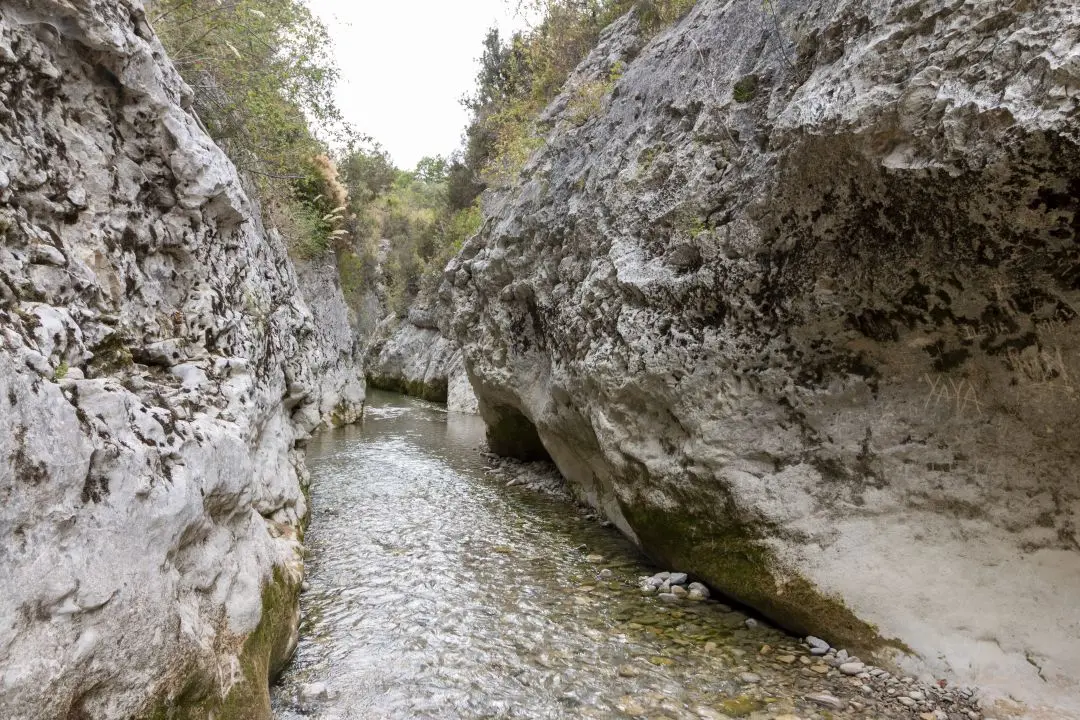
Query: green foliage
x=423, y=216
x=518, y=77
x=745, y=89
x=259, y=70
x=61, y=371
x=263, y=78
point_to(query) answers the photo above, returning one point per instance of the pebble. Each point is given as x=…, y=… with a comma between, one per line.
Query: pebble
x=698, y=588
x=842, y=655
x=750, y=678
x=751, y=623
x=906, y=701
x=594, y=558
x=679, y=591
x=628, y=671
x=678, y=578
x=668, y=597
x=786, y=659
x=818, y=651
x=695, y=595
x=820, y=669
x=827, y=700
x=916, y=695
x=852, y=668
x=604, y=574
x=816, y=642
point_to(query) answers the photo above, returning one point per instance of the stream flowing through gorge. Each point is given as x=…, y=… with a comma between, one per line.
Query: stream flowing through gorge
x=436, y=591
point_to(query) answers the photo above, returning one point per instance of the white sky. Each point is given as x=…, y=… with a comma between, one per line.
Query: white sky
x=405, y=65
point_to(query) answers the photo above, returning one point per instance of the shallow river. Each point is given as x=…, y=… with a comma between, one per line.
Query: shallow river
x=436, y=591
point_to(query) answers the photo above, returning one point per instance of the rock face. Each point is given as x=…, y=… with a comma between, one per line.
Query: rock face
x=796, y=306
x=338, y=375
x=412, y=355
x=159, y=373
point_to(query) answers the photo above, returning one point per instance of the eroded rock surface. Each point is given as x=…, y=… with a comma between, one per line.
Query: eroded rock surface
x=795, y=304
x=159, y=372
x=411, y=355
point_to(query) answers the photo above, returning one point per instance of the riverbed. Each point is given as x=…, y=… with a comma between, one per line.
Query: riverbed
x=437, y=591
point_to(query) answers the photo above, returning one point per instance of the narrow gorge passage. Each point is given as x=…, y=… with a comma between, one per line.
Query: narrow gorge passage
x=437, y=592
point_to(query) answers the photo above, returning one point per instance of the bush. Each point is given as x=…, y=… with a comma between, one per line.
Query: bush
x=262, y=75
x=519, y=77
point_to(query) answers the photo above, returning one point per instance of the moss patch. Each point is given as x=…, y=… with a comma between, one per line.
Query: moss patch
x=262, y=657
x=745, y=89
x=731, y=555
x=111, y=354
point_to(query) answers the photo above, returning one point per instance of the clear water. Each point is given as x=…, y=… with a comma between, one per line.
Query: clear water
x=438, y=592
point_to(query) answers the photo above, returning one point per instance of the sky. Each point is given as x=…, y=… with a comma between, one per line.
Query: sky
x=406, y=64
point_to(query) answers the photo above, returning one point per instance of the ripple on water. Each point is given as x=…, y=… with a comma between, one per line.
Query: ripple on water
x=436, y=592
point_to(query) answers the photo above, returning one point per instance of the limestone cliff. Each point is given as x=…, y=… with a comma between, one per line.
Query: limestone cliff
x=412, y=355
x=791, y=293
x=159, y=374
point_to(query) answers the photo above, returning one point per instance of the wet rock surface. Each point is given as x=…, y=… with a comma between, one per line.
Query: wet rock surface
x=795, y=306
x=437, y=591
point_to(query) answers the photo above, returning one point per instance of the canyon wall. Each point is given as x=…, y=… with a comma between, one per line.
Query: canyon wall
x=790, y=292
x=160, y=373
x=413, y=355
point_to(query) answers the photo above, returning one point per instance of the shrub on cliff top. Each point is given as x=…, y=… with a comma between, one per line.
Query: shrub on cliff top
x=518, y=77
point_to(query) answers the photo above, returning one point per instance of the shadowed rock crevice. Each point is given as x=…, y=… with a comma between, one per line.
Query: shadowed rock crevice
x=511, y=434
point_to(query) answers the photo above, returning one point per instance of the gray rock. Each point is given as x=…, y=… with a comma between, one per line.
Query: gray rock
x=750, y=678
x=668, y=597
x=704, y=303
x=751, y=623
x=696, y=587
x=161, y=503
x=852, y=668
x=314, y=692
x=413, y=356
x=826, y=700
x=678, y=578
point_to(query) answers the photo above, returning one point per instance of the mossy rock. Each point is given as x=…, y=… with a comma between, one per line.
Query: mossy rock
x=732, y=556
x=113, y=353
x=432, y=392
x=262, y=658
x=745, y=90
